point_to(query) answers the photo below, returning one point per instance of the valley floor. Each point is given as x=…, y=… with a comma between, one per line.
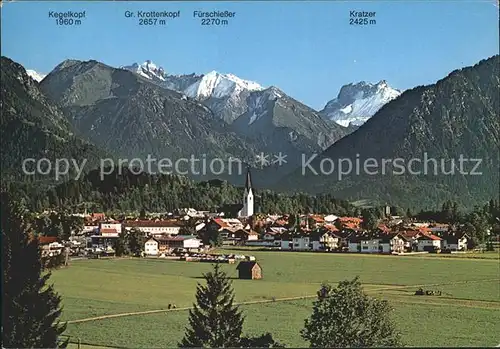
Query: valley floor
x=123, y=302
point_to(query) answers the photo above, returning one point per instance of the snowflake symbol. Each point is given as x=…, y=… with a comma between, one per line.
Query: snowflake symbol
x=262, y=159
x=280, y=159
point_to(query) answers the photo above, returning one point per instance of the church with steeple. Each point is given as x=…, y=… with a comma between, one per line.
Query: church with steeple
x=248, y=199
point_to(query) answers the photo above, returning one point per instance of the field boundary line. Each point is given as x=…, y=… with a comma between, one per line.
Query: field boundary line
x=98, y=345
x=465, y=305
x=155, y=311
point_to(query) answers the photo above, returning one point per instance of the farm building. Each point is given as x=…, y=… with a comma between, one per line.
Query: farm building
x=249, y=270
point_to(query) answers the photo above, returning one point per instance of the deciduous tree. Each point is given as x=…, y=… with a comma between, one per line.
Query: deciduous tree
x=345, y=316
x=370, y=220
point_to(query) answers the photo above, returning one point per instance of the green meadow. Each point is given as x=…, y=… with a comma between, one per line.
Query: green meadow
x=125, y=290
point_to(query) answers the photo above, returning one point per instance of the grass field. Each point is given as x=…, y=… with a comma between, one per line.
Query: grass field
x=466, y=315
x=474, y=255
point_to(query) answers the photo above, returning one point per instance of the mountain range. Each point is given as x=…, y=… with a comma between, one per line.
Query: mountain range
x=33, y=126
x=227, y=95
x=124, y=112
x=457, y=117
x=139, y=110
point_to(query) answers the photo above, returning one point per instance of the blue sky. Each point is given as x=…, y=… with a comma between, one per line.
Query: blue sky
x=308, y=49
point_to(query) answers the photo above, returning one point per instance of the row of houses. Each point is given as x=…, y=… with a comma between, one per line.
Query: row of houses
x=353, y=241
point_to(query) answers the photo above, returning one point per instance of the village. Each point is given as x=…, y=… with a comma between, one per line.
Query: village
x=315, y=233
x=191, y=235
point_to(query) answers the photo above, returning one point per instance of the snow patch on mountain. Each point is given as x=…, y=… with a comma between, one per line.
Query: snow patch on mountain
x=219, y=85
x=35, y=75
x=258, y=102
x=210, y=85
x=356, y=103
x=225, y=94
x=148, y=69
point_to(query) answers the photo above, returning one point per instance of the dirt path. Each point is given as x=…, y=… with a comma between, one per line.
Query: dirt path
x=470, y=303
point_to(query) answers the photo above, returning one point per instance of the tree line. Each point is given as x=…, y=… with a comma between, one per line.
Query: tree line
x=124, y=191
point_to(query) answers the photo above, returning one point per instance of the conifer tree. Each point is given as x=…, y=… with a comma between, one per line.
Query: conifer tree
x=136, y=242
x=121, y=243
x=214, y=321
x=409, y=214
x=31, y=308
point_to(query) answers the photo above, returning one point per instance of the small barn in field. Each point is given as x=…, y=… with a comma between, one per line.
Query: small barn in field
x=249, y=270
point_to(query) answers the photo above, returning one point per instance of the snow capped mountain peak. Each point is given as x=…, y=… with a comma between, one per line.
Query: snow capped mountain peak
x=148, y=70
x=218, y=85
x=274, y=91
x=35, y=75
x=210, y=85
x=356, y=103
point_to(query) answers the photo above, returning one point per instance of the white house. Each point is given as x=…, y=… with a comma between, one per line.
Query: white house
x=301, y=243
x=370, y=245
x=428, y=243
x=329, y=241
x=455, y=242
x=392, y=243
x=410, y=237
x=151, y=247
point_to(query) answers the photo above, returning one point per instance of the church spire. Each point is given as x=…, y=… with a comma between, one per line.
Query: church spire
x=247, y=210
x=248, y=182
